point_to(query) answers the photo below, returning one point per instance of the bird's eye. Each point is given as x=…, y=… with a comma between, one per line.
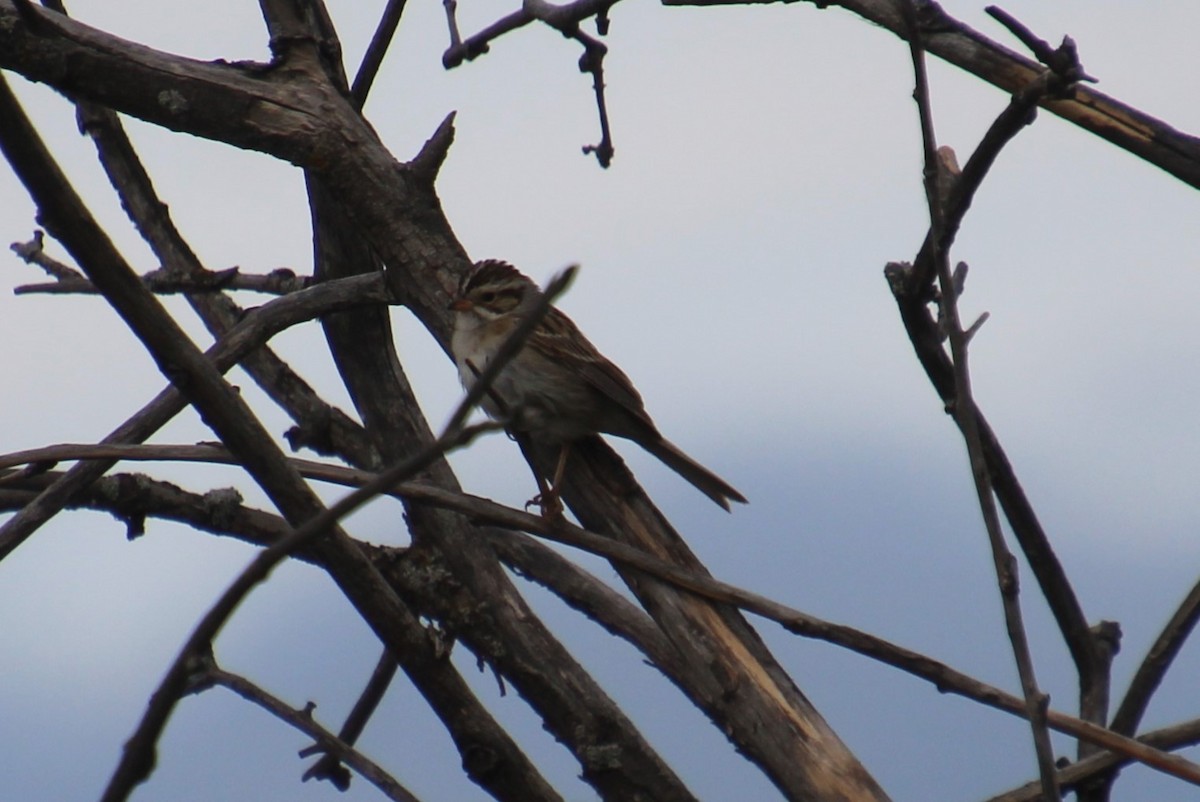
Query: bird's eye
x=487, y=297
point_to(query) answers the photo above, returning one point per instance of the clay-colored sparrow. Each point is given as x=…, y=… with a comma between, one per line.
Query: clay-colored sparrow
x=558, y=386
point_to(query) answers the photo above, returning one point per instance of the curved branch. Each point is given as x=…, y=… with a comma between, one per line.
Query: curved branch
x=376, y=50
x=329, y=765
x=1154, y=666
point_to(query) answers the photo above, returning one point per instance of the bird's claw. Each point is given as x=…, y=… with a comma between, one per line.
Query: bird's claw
x=548, y=502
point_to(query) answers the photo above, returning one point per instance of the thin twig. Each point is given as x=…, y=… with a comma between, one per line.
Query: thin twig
x=1062, y=60
x=1084, y=772
x=592, y=61
x=566, y=19
x=329, y=766
x=912, y=287
x=33, y=253
x=303, y=721
x=376, y=50
x=1158, y=659
x=280, y=281
x=1091, y=648
x=964, y=410
x=249, y=334
x=451, y=9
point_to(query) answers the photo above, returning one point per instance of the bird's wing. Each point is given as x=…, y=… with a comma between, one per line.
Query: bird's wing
x=559, y=340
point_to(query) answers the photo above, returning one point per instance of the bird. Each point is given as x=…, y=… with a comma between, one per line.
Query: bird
x=558, y=386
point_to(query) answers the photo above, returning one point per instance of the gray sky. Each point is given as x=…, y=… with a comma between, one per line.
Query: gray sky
x=767, y=166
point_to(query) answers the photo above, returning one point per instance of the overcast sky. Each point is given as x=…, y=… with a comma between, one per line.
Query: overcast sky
x=767, y=167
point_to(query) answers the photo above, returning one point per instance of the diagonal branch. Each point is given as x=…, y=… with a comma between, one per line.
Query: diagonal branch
x=329, y=765
x=478, y=600
x=1158, y=659
x=137, y=759
x=303, y=721
x=255, y=329
x=319, y=425
x=953, y=41
x=376, y=50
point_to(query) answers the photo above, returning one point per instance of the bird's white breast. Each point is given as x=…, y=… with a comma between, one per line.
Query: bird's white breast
x=474, y=343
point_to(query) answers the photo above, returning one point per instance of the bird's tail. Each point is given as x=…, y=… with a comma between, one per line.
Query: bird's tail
x=704, y=480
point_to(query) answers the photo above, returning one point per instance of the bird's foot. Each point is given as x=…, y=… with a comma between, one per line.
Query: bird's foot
x=548, y=502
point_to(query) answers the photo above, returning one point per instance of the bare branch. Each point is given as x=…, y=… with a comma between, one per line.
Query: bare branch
x=912, y=288
x=303, y=721
x=585, y=593
x=1036, y=702
x=1084, y=772
x=279, y=281
x=475, y=46
x=329, y=766
x=138, y=757
x=943, y=677
x=947, y=38
x=319, y=425
x=429, y=159
x=1063, y=60
x=563, y=17
x=376, y=50
x=33, y=253
x=256, y=328
x=1154, y=665
x=224, y=410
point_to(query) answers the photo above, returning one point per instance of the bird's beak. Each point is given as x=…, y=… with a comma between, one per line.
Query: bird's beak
x=460, y=305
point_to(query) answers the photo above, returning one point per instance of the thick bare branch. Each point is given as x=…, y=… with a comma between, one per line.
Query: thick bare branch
x=479, y=601
x=224, y=410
